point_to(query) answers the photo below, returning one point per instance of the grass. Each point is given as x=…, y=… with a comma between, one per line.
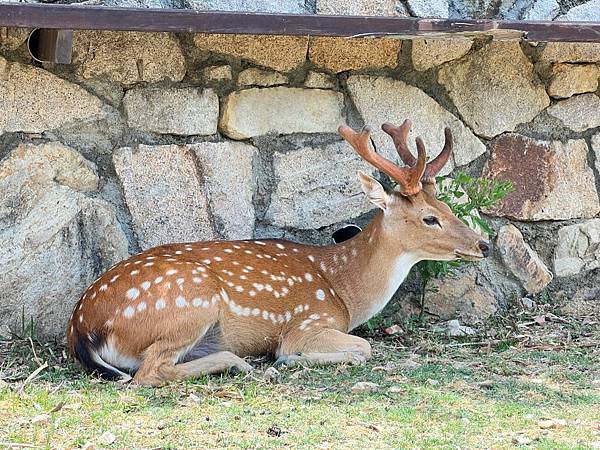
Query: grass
x=517, y=385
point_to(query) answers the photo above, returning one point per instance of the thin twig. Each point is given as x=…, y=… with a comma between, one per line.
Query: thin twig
x=33, y=374
x=18, y=445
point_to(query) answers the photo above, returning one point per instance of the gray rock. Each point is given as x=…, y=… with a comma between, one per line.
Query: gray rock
x=230, y=185
x=522, y=260
x=259, y=77
x=130, y=57
x=281, y=53
x=362, y=8
x=429, y=8
x=500, y=75
x=554, y=171
x=543, y=10
x=461, y=296
x=181, y=111
x=254, y=112
x=268, y=6
x=596, y=149
x=217, y=73
x=570, y=79
x=455, y=329
x=164, y=194
x=587, y=12
x=33, y=100
x=317, y=187
x=54, y=240
x=428, y=53
x=381, y=99
x=318, y=80
x=578, y=113
x=578, y=248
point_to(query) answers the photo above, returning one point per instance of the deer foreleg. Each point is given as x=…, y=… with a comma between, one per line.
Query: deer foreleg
x=322, y=346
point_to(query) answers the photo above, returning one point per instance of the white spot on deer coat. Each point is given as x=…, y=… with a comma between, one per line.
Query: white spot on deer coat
x=146, y=285
x=181, y=302
x=128, y=312
x=320, y=294
x=160, y=304
x=133, y=293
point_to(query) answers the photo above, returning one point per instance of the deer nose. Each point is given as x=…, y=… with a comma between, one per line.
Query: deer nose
x=485, y=248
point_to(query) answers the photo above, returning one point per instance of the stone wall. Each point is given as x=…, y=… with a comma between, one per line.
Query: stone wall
x=153, y=138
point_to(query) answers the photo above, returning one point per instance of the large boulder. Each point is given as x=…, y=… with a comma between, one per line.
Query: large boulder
x=578, y=113
x=494, y=89
x=552, y=180
x=164, y=194
x=570, y=79
x=428, y=53
x=382, y=99
x=281, y=110
x=54, y=239
x=33, y=100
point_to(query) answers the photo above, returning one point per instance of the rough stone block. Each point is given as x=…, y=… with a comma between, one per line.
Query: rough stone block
x=586, y=12
x=33, y=100
x=317, y=187
x=13, y=38
x=230, y=183
x=579, y=113
x=181, y=111
x=552, y=180
x=578, y=248
x=268, y=6
x=574, y=52
x=570, y=79
x=282, y=53
x=461, y=296
x=429, y=8
x=129, y=57
x=217, y=73
x=543, y=10
x=254, y=112
x=164, y=194
x=318, y=80
x=381, y=99
x=343, y=54
x=428, y=53
x=494, y=88
x=259, y=77
x=522, y=260
x=54, y=240
x=362, y=8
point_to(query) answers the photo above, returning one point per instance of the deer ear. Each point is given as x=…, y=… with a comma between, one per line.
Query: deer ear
x=374, y=191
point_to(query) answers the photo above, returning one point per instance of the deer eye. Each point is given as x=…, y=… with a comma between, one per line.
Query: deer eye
x=431, y=221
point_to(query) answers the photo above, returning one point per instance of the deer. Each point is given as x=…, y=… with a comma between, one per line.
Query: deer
x=184, y=310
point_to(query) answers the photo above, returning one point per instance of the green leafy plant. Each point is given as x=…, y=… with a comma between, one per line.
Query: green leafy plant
x=465, y=195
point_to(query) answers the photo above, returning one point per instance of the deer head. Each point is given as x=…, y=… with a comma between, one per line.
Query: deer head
x=414, y=220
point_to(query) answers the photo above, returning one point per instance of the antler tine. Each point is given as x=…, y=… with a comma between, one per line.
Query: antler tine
x=409, y=178
x=399, y=135
x=434, y=166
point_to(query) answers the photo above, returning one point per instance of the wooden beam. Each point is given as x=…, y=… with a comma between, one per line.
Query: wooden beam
x=134, y=19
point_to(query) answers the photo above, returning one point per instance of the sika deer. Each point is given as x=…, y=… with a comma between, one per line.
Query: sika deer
x=182, y=310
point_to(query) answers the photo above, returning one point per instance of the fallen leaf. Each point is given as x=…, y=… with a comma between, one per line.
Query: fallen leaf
x=432, y=382
x=88, y=446
x=540, y=320
x=108, y=438
x=397, y=390
x=58, y=407
x=41, y=419
x=271, y=375
x=364, y=386
x=394, y=329
x=274, y=431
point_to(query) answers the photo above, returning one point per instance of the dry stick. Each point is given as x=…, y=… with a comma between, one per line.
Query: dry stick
x=33, y=374
x=35, y=357
x=18, y=445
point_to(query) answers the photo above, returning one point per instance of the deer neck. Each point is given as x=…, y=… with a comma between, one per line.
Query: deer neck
x=365, y=271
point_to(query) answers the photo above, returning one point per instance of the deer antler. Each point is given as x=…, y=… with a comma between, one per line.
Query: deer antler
x=399, y=135
x=408, y=178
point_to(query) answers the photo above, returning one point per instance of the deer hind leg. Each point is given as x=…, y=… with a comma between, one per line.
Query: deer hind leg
x=322, y=346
